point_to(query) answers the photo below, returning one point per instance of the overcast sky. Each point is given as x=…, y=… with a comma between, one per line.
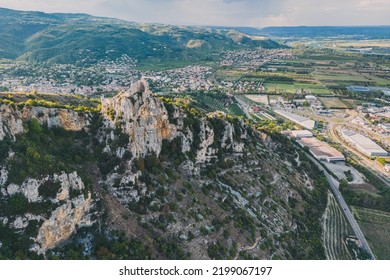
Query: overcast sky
x=256, y=13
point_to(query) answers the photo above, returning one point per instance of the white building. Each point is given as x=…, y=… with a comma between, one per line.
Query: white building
x=364, y=144
x=311, y=98
x=385, y=127
x=297, y=134
x=302, y=121
x=321, y=150
x=301, y=134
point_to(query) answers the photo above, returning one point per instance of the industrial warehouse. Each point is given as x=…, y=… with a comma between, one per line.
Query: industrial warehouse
x=302, y=121
x=363, y=144
x=319, y=149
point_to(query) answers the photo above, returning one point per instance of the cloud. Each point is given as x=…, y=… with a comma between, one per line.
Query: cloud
x=223, y=12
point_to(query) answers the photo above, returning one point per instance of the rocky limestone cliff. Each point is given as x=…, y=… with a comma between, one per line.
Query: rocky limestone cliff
x=182, y=184
x=63, y=222
x=57, y=226
x=139, y=115
x=146, y=120
x=11, y=119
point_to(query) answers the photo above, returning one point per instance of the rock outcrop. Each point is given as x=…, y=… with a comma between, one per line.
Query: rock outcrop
x=63, y=222
x=11, y=119
x=141, y=116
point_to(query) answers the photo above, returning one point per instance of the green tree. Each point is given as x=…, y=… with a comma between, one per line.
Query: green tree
x=382, y=161
x=35, y=126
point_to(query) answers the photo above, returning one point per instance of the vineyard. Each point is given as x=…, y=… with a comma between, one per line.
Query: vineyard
x=210, y=104
x=335, y=230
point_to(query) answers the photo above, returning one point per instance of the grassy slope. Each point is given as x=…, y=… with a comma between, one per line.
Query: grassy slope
x=376, y=227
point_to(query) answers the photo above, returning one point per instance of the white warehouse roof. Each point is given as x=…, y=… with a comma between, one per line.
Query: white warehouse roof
x=310, y=97
x=364, y=144
x=302, y=121
x=301, y=134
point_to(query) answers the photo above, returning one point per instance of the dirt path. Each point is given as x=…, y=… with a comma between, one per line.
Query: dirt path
x=248, y=248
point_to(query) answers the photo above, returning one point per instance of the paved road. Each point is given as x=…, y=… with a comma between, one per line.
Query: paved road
x=245, y=107
x=334, y=184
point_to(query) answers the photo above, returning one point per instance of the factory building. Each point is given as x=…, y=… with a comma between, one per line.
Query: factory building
x=321, y=150
x=311, y=98
x=364, y=144
x=298, y=134
x=302, y=121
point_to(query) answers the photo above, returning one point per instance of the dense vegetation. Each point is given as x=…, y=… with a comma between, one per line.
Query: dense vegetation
x=379, y=201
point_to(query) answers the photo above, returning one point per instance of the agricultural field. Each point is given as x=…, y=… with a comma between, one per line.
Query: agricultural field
x=376, y=228
x=335, y=231
x=210, y=103
x=363, y=43
x=294, y=66
x=343, y=69
x=228, y=75
x=362, y=46
x=296, y=87
x=334, y=103
x=258, y=98
x=351, y=103
x=234, y=109
x=337, y=77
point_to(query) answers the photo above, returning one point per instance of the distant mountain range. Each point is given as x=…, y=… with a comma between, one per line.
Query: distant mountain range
x=358, y=32
x=85, y=39
x=78, y=38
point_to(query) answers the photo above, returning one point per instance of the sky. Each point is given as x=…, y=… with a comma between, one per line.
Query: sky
x=255, y=13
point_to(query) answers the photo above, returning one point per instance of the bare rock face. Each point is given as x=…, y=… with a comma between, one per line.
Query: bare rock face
x=11, y=120
x=227, y=138
x=65, y=219
x=3, y=176
x=206, y=135
x=63, y=222
x=186, y=140
x=59, y=225
x=67, y=119
x=68, y=182
x=141, y=116
x=29, y=189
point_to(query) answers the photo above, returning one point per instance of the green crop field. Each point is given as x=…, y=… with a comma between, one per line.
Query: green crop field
x=294, y=87
x=210, y=103
x=376, y=228
x=234, y=109
x=228, y=75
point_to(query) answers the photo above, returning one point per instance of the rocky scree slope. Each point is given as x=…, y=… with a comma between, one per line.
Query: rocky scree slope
x=147, y=179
